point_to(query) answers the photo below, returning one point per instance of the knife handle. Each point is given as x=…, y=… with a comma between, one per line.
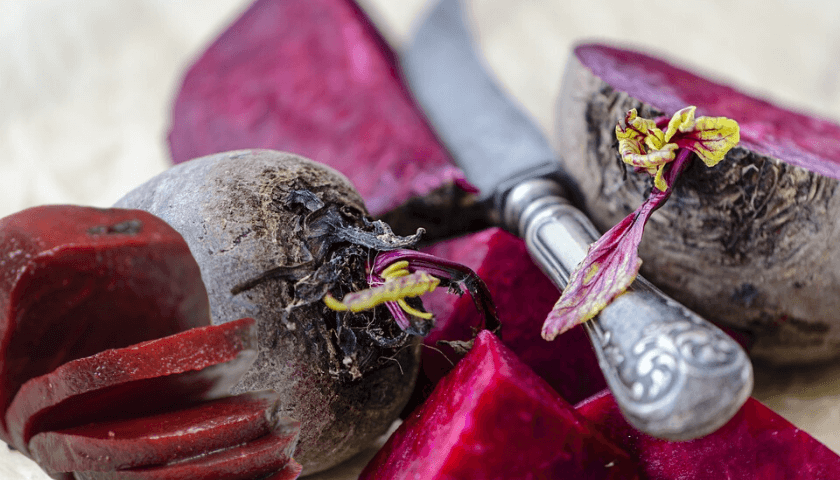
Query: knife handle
x=673, y=374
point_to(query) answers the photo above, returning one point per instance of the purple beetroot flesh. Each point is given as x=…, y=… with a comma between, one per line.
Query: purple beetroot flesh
x=755, y=443
x=159, y=438
x=493, y=417
x=75, y=281
x=147, y=378
x=266, y=455
x=523, y=296
x=797, y=139
x=315, y=78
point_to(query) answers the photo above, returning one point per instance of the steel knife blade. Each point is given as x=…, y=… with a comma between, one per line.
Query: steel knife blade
x=673, y=374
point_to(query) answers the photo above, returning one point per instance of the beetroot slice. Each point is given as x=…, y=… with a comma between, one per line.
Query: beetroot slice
x=492, y=417
x=66, y=274
x=315, y=78
x=147, y=378
x=797, y=139
x=755, y=443
x=259, y=457
x=523, y=296
x=159, y=438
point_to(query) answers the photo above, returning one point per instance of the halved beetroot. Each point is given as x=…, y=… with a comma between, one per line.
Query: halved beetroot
x=492, y=417
x=523, y=297
x=248, y=461
x=755, y=443
x=75, y=281
x=158, y=438
x=147, y=378
x=315, y=78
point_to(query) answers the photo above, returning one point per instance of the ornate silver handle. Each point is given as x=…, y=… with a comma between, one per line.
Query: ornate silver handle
x=673, y=374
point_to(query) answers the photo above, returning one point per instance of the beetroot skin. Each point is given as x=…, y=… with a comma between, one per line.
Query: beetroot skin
x=755, y=443
x=315, y=78
x=493, y=418
x=159, y=438
x=523, y=296
x=143, y=379
x=67, y=273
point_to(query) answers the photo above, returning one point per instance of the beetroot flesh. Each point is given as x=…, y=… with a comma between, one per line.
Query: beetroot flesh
x=797, y=139
x=493, y=417
x=315, y=78
x=256, y=458
x=67, y=273
x=755, y=443
x=150, y=377
x=159, y=438
x=523, y=296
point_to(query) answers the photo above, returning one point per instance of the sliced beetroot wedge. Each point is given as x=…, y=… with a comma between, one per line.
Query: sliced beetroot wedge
x=493, y=417
x=75, y=281
x=159, y=438
x=523, y=296
x=755, y=443
x=749, y=243
x=147, y=378
x=315, y=78
x=269, y=454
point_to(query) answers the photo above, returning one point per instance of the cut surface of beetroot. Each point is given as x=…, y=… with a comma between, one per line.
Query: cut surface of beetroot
x=315, y=78
x=266, y=455
x=159, y=438
x=755, y=443
x=147, y=378
x=523, y=296
x=75, y=281
x=492, y=417
x=798, y=139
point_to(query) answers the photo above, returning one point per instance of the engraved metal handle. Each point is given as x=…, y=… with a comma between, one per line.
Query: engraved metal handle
x=673, y=374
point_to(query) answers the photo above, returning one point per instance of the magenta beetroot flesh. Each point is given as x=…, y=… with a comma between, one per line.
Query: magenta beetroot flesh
x=315, y=78
x=493, y=418
x=158, y=438
x=523, y=296
x=755, y=443
x=260, y=457
x=78, y=280
x=797, y=139
x=147, y=378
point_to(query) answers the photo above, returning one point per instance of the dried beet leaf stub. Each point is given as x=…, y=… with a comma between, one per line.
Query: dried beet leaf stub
x=67, y=273
x=492, y=417
x=267, y=455
x=159, y=438
x=144, y=379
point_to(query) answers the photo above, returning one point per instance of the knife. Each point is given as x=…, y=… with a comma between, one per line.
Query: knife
x=673, y=374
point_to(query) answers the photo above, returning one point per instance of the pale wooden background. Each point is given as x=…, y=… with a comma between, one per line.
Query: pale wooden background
x=86, y=87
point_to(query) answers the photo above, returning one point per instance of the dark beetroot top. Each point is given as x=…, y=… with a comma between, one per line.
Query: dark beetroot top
x=795, y=138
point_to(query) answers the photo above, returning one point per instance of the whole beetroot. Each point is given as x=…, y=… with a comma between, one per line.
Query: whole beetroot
x=273, y=233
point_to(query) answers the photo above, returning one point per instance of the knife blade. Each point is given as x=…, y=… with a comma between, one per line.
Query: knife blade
x=673, y=374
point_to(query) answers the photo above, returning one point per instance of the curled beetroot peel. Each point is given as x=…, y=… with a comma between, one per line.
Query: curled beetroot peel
x=151, y=377
x=755, y=443
x=492, y=417
x=315, y=78
x=67, y=273
x=157, y=438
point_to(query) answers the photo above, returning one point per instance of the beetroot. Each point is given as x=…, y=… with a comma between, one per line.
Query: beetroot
x=755, y=443
x=748, y=243
x=158, y=438
x=523, y=296
x=315, y=78
x=67, y=273
x=492, y=417
x=290, y=472
x=146, y=378
x=256, y=458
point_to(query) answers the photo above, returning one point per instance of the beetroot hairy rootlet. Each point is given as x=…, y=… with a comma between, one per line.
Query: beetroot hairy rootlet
x=493, y=418
x=78, y=280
